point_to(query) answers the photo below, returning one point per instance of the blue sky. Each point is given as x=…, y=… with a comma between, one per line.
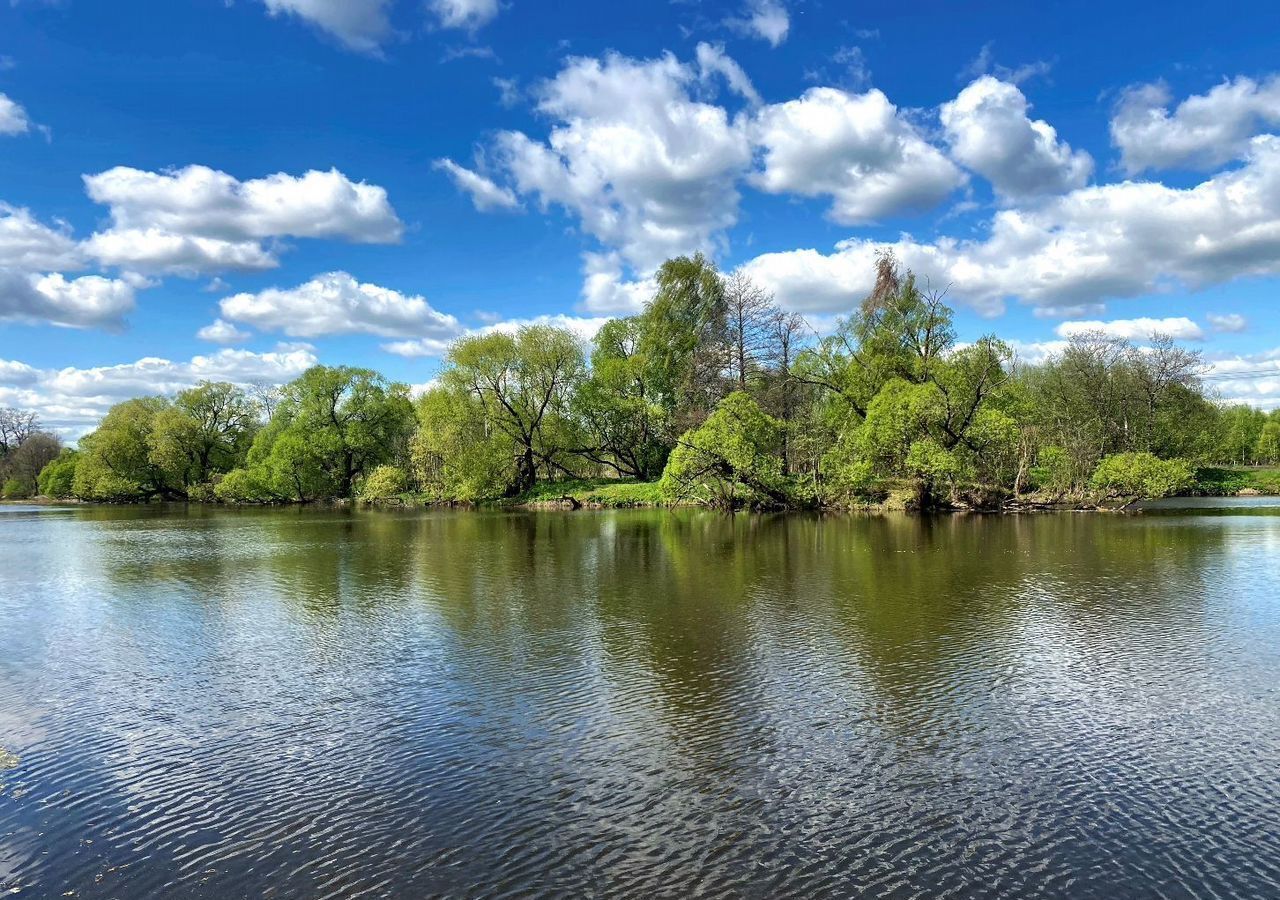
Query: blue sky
x=240, y=189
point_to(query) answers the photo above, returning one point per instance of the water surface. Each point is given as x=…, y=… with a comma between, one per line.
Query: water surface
x=299, y=702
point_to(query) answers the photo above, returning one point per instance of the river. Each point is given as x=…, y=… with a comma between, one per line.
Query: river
x=336, y=703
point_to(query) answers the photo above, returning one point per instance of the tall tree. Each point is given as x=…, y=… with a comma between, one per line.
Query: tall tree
x=750, y=321
x=684, y=339
x=623, y=427
x=207, y=430
x=523, y=382
x=15, y=426
x=115, y=460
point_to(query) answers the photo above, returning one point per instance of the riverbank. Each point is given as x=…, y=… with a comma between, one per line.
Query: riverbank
x=597, y=494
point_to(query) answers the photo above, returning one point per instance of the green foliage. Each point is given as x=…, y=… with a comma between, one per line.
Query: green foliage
x=929, y=462
x=207, y=430
x=1219, y=482
x=523, y=383
x=683, y=339
x=1103, y=396
x=622, y=425
x=1267, y=448
x=1053, y=472
x=1240, y=433
x=204, y=492
x=898, y=416
x=730, y=399
x=1142, y=475
x=733, y=458
x=58, y=477
x=244, y=486
x=992, y=447
x=14, y=489
x=331, y=426
x=607, y=493
x=384, y=483
x=456, y=455
x=115, y=460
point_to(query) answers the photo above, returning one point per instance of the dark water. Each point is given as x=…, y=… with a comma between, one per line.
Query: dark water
x=309, y=703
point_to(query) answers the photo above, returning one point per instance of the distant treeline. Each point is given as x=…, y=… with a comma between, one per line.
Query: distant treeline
x=712, y=390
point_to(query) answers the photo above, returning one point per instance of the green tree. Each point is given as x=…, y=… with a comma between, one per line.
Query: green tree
x=456, y=453
x=734, y=457
x=685, y=341
x=56, y=480
x=115, y=460
x=623, y=427
x=1268, y=447
x=1240, y=430
x=207, y=430
x=331, y=426
x=25, y=463
x=1143, y=475
x=523, y=383
x=384, y=483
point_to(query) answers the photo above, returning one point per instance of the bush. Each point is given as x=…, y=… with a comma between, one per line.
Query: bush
x=57, y=478
x=732, y=459
x=1053, y=471
x=201, y=493
x=1142, y=475
x=243, y=486
x=384, y=483
x=15, y=490
x=1218, y=482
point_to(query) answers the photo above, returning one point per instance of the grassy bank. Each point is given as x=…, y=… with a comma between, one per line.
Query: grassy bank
x=590, y=493
x=890, y=495
x=1224, y=482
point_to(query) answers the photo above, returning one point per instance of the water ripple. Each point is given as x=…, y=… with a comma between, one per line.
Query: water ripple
x=301, y=703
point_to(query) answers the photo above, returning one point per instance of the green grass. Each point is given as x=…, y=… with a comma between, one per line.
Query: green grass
x=610, y=493
x=1224, y=482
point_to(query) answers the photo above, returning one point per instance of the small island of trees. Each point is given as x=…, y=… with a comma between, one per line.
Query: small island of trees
x=712, y=395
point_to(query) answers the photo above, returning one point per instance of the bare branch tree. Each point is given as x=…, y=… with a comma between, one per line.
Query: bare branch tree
x=16, y=425
x=749, y=314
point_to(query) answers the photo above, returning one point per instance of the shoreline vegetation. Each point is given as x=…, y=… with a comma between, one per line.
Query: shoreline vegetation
x=712, y=396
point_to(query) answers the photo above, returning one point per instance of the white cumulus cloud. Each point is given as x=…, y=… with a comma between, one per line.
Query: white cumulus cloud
x=584, y=328
x=767, y=20
x=469, y=14
x=13, y=118
x=29, y=245
x=855, y=148
x=1092, y=244
x=361, y=25
x=605, y=289
x=220, y=331
x=990, y=132
x=1141, y=329
x=336, y=303
x=1250, y=378
x=197, y=220
x=1228, y=323
x=486, y=195
x=1204, y=131
x=647, y=169
x=90, y=301
x=72, y=400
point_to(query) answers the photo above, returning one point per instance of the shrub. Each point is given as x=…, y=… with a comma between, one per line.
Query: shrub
x=732, y=458
x=1053, y=471
x=243, y=486
x=57, y=478
x=1142, y=475
x=15, y=490
x=201, y=493
x=384, y=483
